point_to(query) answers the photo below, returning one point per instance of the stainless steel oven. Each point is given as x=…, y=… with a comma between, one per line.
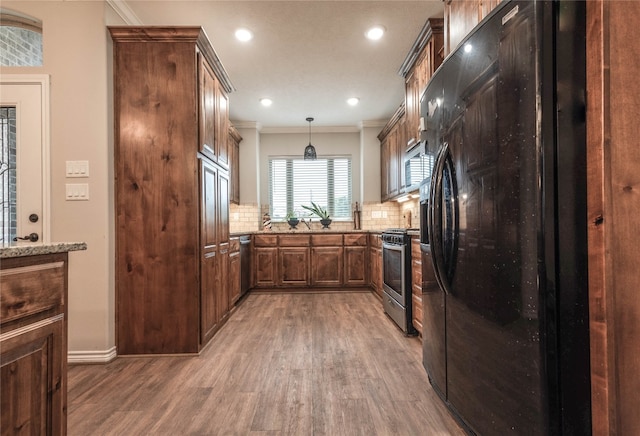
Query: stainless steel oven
x=396, y=278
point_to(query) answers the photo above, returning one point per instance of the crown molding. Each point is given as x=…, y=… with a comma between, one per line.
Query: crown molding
x=121, y=7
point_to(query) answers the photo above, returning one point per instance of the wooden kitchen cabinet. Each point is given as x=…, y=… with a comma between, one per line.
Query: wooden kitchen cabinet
x=416, y=283
x=171, y=189
x=327, y=260
x=265, y=254
x=311, y=260
x=460, y=17
x=375, y=256
x=234, y=270
x=355, y=259
x=327, y=266
x=234, y=164
x=33, y=344
x=391, y=155
x=425, y=56
x=209, y=264
x=293, y=266
x=213, y=120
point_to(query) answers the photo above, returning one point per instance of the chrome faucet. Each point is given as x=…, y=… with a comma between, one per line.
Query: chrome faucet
x=305, y=223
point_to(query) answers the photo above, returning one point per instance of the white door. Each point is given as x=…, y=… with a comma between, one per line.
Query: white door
x=24, y=102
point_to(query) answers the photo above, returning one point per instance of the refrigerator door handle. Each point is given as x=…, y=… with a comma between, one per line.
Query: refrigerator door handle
x=435, y=203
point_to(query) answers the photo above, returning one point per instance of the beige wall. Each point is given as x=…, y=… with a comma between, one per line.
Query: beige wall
x=326, y=144
x=77, y=58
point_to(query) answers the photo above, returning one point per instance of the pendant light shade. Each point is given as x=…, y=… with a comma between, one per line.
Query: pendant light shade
x=310, y=150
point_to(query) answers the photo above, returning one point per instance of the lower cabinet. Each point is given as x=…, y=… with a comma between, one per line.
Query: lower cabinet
x=33, y=345
x=416, y=283
x=326, y=269
x=265, y=255
x=293, y=264
x=375, y=254
x=234, y=271
x=355, y=260
x=311, y=260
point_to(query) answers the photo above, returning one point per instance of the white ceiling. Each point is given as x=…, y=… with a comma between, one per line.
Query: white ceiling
x=307, y=56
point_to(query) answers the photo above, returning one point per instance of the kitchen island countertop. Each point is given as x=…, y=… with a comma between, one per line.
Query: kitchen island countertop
x=34, y=249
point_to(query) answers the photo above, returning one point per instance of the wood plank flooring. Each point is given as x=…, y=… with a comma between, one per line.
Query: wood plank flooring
x=284, y=364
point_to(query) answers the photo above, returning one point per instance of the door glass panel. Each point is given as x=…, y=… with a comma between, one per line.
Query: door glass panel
x=7, y=174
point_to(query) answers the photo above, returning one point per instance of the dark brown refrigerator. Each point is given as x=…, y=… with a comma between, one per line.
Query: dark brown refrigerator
x=506, y=340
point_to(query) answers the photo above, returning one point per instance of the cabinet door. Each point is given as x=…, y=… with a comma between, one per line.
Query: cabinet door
x=376, y=271
x=460, y=17
x=222, y=127
x=416, y=284
x=208, y=301
x=208, y=248
x=393, y=180
x=33, y=380
x=234, y=170
x=208, y=110
x=266, y=266
x=222, y=291
x=223, y=206
x=416, y=296
x=294, y=266
x=355, y=263
x=327, y=266
x=385, y=156
x=234, y=277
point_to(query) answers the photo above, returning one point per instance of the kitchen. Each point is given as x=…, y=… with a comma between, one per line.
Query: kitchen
x=91, y=303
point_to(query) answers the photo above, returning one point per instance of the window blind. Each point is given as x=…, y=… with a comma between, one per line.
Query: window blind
x=294, y=182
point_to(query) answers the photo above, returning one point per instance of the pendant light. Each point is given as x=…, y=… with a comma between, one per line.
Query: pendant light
x=310, y=150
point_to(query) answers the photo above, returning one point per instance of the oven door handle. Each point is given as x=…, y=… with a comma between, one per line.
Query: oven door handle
x=393, y=247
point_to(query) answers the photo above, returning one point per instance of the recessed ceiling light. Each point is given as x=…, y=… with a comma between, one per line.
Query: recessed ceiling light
x=244, y=35
x=353, y=101
x=375, y=33
x=266, y=102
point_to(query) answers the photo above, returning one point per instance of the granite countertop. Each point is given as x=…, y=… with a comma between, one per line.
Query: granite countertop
x=298, y=231
x=33, y=249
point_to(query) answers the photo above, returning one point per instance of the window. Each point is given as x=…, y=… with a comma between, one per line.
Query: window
x=21, y=38
x=325, y=181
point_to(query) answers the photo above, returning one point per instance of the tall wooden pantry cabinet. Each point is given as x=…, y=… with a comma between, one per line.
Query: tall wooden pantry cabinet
x=171, y=189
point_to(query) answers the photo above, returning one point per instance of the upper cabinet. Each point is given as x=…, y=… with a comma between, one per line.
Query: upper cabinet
x=425, y=56
x=213, y=119
x=171, y=188
x=460, y=16
x=234, y=163
x=403, y=129
x=392, y=140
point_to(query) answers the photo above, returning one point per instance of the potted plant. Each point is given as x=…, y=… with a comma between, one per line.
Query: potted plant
x=322, y=213
x=292, y=219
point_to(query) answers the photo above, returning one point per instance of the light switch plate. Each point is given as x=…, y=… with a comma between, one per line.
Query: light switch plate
x=77, y=168
x=77, y=191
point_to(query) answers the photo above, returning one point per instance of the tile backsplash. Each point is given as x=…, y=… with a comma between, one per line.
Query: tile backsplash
x=373, y=216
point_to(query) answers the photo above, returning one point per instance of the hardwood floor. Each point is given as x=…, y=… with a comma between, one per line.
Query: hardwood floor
x=284, y=364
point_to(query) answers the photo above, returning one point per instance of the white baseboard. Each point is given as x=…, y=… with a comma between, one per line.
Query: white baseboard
x=104, y=356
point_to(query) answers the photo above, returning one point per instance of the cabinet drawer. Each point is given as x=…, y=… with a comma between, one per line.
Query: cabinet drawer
x=355, y=239
x=415, y=248
x=293, y=240
x=265, y=240
x=375, y=240
x=234, y=245
x=30, y=289
x=326, y=240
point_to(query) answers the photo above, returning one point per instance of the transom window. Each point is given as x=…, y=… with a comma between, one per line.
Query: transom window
x=294, y=182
